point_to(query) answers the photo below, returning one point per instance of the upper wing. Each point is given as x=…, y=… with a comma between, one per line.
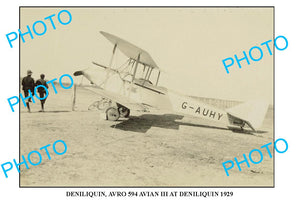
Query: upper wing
x=130, y=50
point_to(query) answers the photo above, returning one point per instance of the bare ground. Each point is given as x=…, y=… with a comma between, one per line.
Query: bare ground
x=148, y=149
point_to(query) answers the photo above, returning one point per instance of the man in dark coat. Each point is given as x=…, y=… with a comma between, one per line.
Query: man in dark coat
x=42, y=90
x=28, y=85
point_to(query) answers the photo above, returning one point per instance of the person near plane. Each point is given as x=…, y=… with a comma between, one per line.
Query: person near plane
x=41, y=90
x=28, y=85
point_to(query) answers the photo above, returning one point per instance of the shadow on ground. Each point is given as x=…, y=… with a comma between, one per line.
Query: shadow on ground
x=167, y=121
x=53, y=111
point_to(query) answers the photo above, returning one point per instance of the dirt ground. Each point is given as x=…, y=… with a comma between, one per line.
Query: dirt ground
x=149, y=149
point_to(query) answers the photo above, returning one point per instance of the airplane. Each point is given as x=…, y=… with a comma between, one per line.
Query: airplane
x=135, y=86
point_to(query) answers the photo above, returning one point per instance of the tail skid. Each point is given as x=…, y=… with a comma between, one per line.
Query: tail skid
x=251, y=113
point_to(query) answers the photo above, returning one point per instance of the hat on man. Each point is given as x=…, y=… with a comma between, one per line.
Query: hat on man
x=29, y=72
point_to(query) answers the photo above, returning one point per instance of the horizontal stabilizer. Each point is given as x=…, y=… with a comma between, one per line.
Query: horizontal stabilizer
x=251, y=113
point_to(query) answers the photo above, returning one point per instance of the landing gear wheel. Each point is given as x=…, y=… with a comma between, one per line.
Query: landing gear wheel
x=112, y=114
x=124, y=112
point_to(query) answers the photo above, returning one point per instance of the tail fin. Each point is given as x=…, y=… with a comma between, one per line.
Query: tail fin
x=251, y=113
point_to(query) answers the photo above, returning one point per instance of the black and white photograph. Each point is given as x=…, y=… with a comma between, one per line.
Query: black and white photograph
x=149, y=106
x=147, y=96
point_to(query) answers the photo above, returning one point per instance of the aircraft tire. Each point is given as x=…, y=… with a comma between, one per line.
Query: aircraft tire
x=112, y=114
x=124, y=112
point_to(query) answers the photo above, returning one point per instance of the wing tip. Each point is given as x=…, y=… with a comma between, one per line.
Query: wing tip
x=78, y=73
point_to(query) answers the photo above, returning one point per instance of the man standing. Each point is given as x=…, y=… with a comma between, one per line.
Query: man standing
x=42, y=90
x=28, y=85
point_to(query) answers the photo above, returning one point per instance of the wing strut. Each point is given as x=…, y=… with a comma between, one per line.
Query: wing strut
x=133, y=76
x=145, y=78
x=110, y=64
x=157, y=78
x=136, y=65
x=149, y=73
x=112, y=57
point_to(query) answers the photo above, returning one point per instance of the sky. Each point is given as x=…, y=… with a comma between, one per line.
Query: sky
x=189, y=44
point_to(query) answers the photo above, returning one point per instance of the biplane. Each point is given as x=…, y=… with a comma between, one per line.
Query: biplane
x=135, y=86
